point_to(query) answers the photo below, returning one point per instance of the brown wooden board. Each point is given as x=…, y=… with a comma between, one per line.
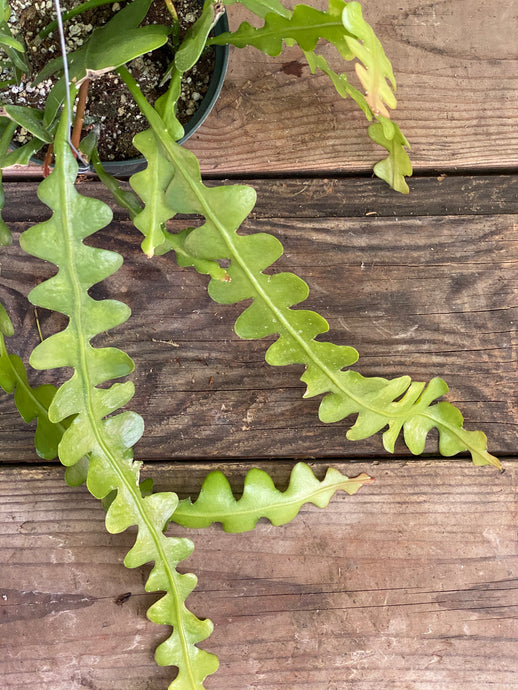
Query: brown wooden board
x=431, y=295
x=409, y=584
x=327, y=197
x=455, y=65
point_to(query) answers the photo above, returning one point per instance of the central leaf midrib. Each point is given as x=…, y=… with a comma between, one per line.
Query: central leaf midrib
x=87, y=387
x=157, y=124
x=280, y=33
x=235, y=254
x=213, y=217
x=279, y=504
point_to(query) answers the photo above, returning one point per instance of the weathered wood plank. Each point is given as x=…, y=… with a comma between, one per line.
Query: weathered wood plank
x=457, y=195
x=409, y=584
x=455, y=64
x=425, y=296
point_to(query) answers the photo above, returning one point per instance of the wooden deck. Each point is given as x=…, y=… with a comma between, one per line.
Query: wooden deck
x=412, y=583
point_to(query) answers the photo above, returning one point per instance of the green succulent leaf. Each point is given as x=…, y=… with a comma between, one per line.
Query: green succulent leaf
x=305, y=26
x=77, y=474
x=339, y=81
x=20, y=67
x=343, y=26
x=385, y=132
x=176, y=242
x=23, y=154
x=98, y=429
x=397, y=164
x=7, y=40
x=195, y=39
x=393, y=405
x=262, y=7
x=147, y=219
x=12, y=47
x=261, y=499
x=149, y=185
x=105, y=50
x=6, y=325
x=124, y=197
x=5, y=234
x=7, y=130
x=375, y=73
x=30, y=118
x=32, y=403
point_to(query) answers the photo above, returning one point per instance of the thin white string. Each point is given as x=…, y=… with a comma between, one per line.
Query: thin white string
x=67, y=83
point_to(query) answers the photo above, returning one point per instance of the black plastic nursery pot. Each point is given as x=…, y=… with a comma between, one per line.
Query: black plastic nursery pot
x=131, y=166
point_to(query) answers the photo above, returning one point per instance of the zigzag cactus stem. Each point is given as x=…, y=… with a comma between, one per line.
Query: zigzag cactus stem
x=397, y=405
x=107, y=438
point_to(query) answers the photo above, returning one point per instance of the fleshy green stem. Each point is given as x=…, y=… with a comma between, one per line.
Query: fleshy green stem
x=7, y=135
x=28, y=391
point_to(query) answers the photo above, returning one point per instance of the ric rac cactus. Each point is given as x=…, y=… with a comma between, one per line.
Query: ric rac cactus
x=108, y=440
x=86, y=421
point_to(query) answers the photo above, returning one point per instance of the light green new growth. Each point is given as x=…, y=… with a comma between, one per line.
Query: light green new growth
x=261, y=499
x=385, y=132
x=96, y=430
x=344, y=27
x=397, y=164
x=376, y=71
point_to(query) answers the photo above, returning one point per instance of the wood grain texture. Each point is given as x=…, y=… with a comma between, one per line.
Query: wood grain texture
x=456, y=66
x=426, y=295
x=331, y=197
x=409, y=584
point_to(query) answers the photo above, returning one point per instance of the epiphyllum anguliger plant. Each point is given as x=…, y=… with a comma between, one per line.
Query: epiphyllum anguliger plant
x=81, y=421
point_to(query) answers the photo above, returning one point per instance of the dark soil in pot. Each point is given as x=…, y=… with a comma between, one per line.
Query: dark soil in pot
x=109, y=102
